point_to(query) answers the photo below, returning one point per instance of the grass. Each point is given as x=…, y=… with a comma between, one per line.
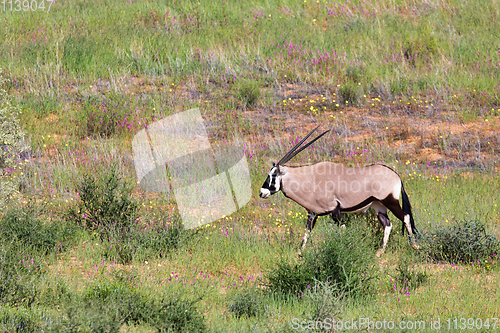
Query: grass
x=412, y=84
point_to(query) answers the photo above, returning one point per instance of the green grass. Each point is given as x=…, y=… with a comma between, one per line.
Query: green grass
x=412, y=84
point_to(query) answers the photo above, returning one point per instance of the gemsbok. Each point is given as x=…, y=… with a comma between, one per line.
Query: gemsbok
x=328, y=188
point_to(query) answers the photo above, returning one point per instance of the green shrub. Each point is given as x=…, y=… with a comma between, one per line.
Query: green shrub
x=25, y=227
x=175, y=314
x=462, y=242
x=349, y=92
x=344, y=258
x=18, y=275
x=247, y=303
x=107, y=306
x=399, y=86
x=355, y=73
x=19, y=319
x=326, y=299
x=289, y=278
x=420, y=49
x=248, y=91
x=108, y=209
x=106, y=205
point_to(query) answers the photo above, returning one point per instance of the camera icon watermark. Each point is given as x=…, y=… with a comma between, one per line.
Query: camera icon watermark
x=174, y=155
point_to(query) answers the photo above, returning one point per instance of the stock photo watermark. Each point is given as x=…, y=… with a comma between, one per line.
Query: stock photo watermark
x=174, y=156
x=26, y=5
x=366, y=323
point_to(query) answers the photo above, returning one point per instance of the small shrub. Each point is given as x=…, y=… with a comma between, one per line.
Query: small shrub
x=248, y=91
x=349, y=92
x=327, y=301
x=247, y=303
x=355, y=73
x=25, y=227
x=106, y=205
x=420, y=49
x=462, y=242
x=399, y=86
x=107, y=306
x=345, y=258
x=18, y=275
x=175, y=314
x=19, y=319
x=289, y=278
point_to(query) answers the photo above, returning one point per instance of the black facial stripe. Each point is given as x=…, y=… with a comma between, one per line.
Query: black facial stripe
x=266, y=183
x=271, y=181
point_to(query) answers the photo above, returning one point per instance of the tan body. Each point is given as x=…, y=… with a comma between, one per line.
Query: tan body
x=323, y=187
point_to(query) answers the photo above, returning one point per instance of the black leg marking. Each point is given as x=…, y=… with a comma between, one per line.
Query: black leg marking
x=311, y=221
x=335, y=214
x=384, y=220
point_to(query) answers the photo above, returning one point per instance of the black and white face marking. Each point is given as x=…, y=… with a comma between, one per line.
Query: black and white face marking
x=272, y=183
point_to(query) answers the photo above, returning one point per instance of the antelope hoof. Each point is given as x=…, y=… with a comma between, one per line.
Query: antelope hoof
x=415, y=246
x=342, y=226
x=379, y=253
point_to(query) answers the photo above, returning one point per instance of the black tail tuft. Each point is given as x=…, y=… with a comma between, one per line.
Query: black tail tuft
x=407, y=210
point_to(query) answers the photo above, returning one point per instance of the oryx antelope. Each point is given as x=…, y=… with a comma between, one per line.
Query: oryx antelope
x=329, y=188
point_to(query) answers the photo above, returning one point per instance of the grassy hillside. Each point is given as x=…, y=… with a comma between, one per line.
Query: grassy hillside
x=411, y=84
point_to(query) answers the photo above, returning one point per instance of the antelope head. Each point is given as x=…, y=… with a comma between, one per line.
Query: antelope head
x=273, y=180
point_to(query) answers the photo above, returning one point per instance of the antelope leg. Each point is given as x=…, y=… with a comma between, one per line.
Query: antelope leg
x=311, y=221
x=386, y=223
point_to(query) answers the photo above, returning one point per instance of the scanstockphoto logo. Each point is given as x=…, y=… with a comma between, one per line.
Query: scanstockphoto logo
x=174, y=156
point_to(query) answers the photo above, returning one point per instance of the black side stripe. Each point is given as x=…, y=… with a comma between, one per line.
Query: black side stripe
x=359, y=206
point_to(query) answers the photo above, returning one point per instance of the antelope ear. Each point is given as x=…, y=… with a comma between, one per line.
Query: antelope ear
x=274, y=164
x=281, y=170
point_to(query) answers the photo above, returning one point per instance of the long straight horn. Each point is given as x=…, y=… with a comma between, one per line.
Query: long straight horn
x=308, y=144
x=288, y=155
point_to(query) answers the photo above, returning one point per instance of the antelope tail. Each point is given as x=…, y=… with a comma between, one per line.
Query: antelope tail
x=407, y=210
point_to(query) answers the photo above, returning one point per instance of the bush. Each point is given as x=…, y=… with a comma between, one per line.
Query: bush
x=19, y=319
x=175, y=314
x=327, y=301
x=461, y=242
x=11, y=142
x=106, y=205
x=107, y=306
x=345, y=258
x=24, y=227
x=349, y=93
x=290, y=278
x=248, y=91
x=247, y=303
x=107, y=208
x=18, y=275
